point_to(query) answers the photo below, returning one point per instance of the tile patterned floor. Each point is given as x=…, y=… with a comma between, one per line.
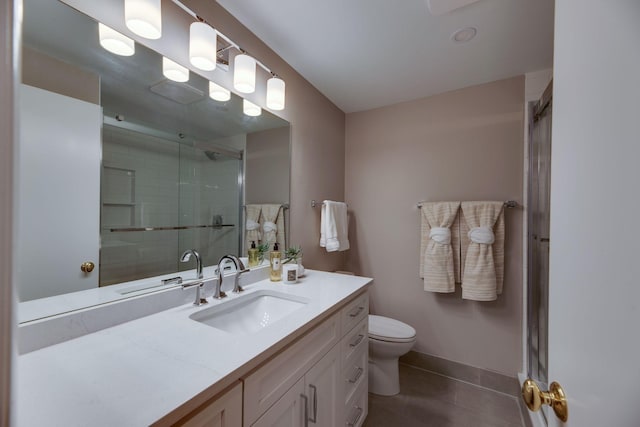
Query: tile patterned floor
x=428, y=399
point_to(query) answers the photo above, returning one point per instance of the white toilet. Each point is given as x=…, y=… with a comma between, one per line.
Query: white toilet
x=388, y=340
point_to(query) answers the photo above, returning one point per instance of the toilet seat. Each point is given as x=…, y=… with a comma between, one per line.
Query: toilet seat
x=390, y=330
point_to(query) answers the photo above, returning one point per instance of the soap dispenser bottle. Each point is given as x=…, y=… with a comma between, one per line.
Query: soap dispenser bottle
x=253, y=255
x=275, y=257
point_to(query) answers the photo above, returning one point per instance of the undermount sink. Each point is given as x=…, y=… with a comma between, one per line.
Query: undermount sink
x=250, y=313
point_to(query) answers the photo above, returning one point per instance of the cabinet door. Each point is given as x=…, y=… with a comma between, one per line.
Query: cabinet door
x=289, y=411
x=223, y=411
x=323, y=388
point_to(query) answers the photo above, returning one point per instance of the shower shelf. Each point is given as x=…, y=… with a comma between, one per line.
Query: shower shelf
x=180, y=227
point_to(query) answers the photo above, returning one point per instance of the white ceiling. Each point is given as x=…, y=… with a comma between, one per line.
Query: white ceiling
x=364, y=54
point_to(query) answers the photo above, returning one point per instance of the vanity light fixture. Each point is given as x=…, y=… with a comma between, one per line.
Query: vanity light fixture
x=174, y=71
x=244, y=73
x=275, y=93
x=250, y=109
x=203, y=46
x=115, y=42
x=144, y=18
x=219, y=93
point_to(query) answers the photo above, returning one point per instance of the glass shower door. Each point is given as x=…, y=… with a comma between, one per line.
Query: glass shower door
x=538, y=238
x=210, y=202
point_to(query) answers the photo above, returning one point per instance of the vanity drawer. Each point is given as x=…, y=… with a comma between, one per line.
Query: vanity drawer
x=266, y=385
x=355, y=374
x=354, y=341
x=354, y=312
x=357, y=409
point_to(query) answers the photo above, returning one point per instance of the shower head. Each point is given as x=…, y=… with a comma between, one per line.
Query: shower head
x=212, y=155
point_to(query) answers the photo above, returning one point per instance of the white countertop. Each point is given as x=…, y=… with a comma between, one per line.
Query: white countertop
x=137, y=372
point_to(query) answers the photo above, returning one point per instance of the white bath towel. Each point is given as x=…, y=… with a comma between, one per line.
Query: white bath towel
x=482, y=245
x=439, y=246
x=334, y=226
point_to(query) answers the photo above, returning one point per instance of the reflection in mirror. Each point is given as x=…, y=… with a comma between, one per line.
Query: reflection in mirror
x=123, y=168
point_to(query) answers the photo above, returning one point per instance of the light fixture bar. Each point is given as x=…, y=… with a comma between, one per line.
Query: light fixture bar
x=222, y=36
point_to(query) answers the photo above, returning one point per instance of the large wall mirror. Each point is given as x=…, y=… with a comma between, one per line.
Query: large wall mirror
x=124, y=169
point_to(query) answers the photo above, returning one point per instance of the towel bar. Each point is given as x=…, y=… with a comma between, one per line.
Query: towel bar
x=507, y=204
x=315, y=204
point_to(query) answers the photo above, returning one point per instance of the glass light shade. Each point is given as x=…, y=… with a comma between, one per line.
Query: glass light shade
x=250, y=109
x=174, y=71
x=244, y=73
x=115, y=42
x=218, y=93
x=144, y=18
x=202, y=46
x=275, y=93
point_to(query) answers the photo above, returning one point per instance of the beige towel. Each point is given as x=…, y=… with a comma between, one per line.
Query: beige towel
x=272, y=225
x=252, y=225
x=439, y=246
x=483, y=263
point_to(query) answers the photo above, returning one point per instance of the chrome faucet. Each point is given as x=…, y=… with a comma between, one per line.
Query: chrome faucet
x=240, y=268
x=199, y=285
x=186, y=256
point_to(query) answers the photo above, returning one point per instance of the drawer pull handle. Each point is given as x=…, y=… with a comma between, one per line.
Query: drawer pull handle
x=314, y=419
x=357, y=376
x=357, y=341
x=305, y=410
x=356, y=312
x=355, y=419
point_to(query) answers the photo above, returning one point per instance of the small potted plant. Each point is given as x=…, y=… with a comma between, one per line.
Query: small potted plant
x=263, y=248
x=294, y=253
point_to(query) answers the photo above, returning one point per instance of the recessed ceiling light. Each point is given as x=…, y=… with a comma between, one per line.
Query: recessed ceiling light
x=463, y=35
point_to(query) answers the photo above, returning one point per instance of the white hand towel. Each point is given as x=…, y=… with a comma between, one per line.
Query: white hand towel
x=334, y=232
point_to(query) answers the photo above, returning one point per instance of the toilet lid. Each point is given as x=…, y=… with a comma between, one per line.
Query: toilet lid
x=386, y=329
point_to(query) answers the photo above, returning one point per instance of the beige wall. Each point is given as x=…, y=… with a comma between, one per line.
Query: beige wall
x=49, y=73
x=267, y=166
x=462, y=145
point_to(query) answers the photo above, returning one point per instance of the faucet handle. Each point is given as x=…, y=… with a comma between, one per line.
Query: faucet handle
x=199, y=285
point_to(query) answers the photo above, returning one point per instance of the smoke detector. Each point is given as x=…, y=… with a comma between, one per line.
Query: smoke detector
x=464, y=35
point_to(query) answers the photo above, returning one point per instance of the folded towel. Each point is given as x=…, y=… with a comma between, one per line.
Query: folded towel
x=439, y=244
x=252, y=226
x=482, y=246
x=273, y=224
x=334, y=231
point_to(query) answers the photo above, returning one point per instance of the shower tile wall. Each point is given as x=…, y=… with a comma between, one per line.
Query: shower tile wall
x=208, y=188
x=152, y=182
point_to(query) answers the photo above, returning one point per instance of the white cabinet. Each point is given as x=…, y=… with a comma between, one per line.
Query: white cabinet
x=289, y=411
x=320, y=380
x=266, y=385
x=224, y=410
x=315, y=397
x=323, y=390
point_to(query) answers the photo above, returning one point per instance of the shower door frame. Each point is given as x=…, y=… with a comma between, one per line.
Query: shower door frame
x=537, y=298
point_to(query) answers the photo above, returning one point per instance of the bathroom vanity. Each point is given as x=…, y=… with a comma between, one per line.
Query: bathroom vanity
x=275, y=354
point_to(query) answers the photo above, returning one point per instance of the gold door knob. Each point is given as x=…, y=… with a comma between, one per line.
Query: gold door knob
x=555, y=397
x=87, y=266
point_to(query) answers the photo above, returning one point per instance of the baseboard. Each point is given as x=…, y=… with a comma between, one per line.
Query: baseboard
x=478, y=376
